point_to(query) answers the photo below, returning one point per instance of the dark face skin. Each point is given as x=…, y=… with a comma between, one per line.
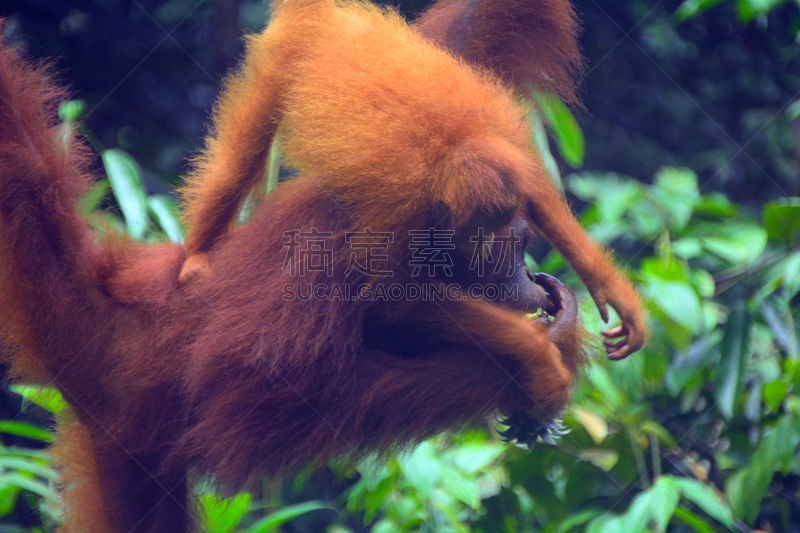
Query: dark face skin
x=528, y=291
x=504, y=266
x=533, y=292
x=405, y=335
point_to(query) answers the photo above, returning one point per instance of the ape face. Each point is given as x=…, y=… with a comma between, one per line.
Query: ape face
x=483, y=257
x=502, y=253
x=488, y=263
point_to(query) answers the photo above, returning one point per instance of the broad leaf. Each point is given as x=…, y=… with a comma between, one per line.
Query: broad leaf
x=735, y=352
x=125, y=178
x=782, y=220
x=165, y=213
x=278, y=518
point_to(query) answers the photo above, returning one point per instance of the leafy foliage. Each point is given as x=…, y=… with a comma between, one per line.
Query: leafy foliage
x=699, y=432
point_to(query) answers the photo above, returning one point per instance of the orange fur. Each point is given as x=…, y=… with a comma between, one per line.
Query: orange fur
x=79, y=485
x=427, y=129
x=224, y=376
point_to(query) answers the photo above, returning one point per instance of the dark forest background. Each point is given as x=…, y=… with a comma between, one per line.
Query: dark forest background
x=685, y=161
x=702, y=94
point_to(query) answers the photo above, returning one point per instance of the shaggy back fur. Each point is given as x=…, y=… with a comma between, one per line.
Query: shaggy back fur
x=225, y=376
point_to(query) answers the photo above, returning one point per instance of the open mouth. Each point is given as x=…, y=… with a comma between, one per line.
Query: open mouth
x=539, y=313
x=548, y=299
x=523, y=429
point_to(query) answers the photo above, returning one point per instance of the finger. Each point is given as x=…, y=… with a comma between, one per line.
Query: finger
x=612, y=346
x=622, y=353
x=635, y=340
x=631, y=327
x=618, y=331
x=603, y=312
x=600, y=301
x=636, y=335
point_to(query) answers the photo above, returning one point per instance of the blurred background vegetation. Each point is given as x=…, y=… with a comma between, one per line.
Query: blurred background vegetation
x=686, y=160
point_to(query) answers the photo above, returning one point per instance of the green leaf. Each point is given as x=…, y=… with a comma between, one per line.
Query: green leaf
x=694, y=521
x=26, y=483
x=374, y=472
x=600, y=457
x=384, y=526
x=671, y=269
x=71, y=110
x=14, y=452
x=750, y=9
x=665, y=497
x=677, y=300
x=461, y=488
x=664, y=436
x=8, y=499
x=375, y=499
x=530, y=262
x=688, y=248
x=475, y=458
x=421, y=469
x=576, y=520
x=274, y=164
x=778, y=315
x=552, y=263
x=637, y=516
x=91, y=201
x=774, y=392
x=676, y=189
x=705, y=498
x=37, y=467
x=740, y=493
x=542, y=146
x=601, y=379
x=736, y=243
x=222, y=515
x=24, y=429
x=703, y=282
x=784, y=440
x=746, y=488
x=124, y=175
x=691, y=8
x=606, y=523
x=715, y=205
x=612, y=195
x=565, y=129
x=286, y=514
x=357, y=494
x=681, y=182
x=594, y=424
x=449, y=511
x=782, y=220
x=791, y=274
x=47, y=398
x=736, y=349
x=165, y=213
